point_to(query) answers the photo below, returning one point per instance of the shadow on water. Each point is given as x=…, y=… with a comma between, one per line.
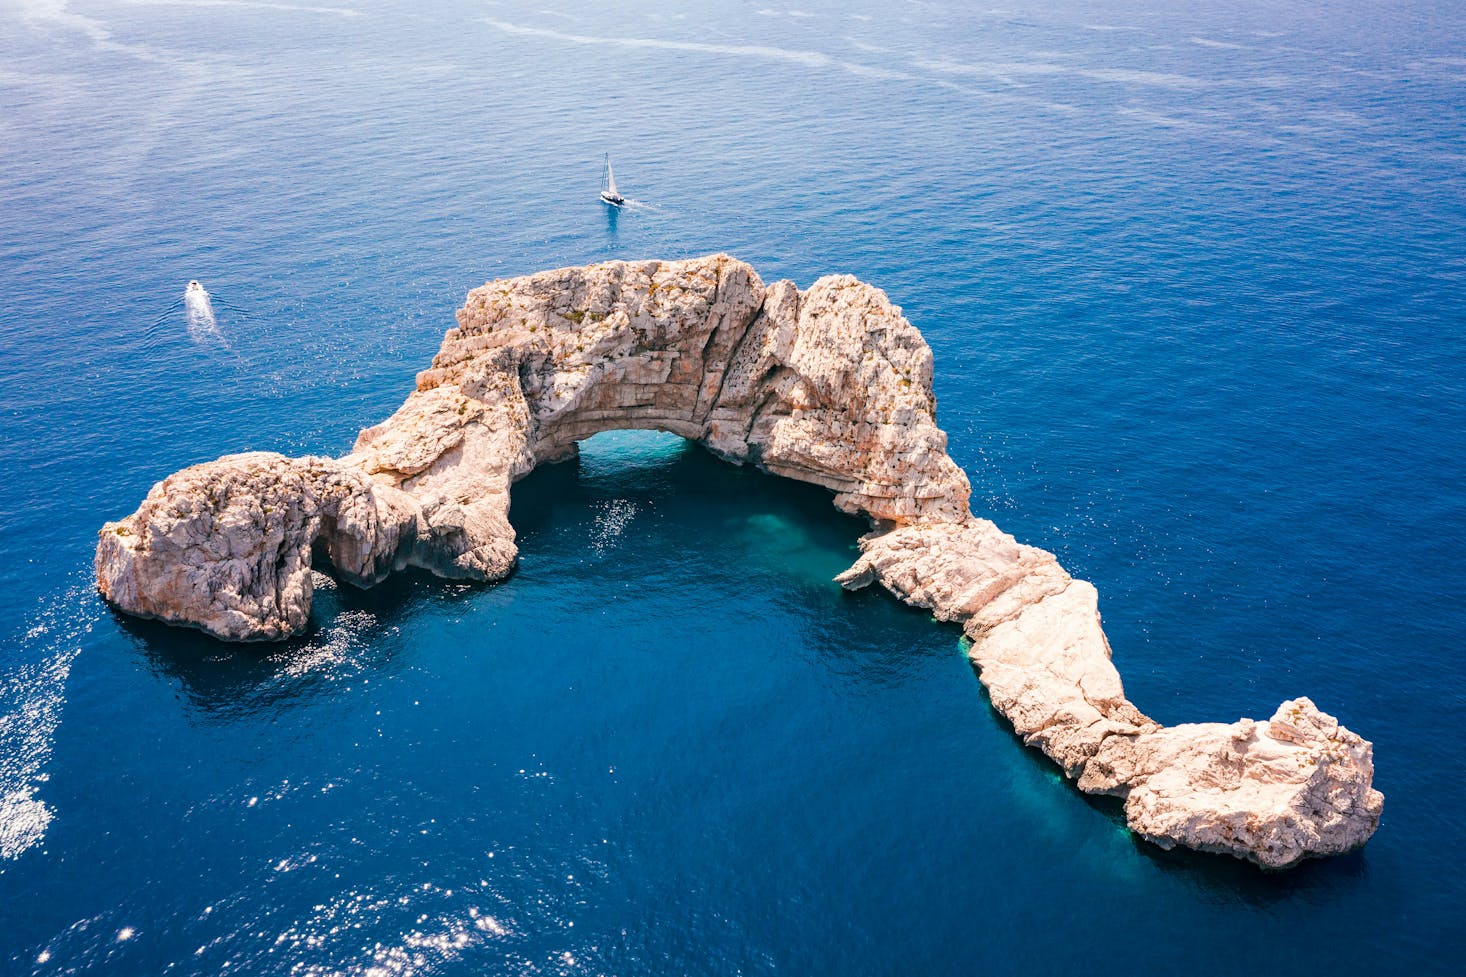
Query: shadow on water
x=347, y=625
x=1224, y=879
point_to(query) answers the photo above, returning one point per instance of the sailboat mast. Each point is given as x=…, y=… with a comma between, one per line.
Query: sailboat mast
x=608, y=185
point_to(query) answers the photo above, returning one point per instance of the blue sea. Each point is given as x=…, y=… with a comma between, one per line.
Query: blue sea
x=1194, y=275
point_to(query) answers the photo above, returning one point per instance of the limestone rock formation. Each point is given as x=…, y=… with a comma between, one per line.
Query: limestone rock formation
x=1279, y=791
x=830, y=386
x=227, y=546
x=1274, y=792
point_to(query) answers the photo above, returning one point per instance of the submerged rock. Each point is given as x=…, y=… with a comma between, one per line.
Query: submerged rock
x=830, y=386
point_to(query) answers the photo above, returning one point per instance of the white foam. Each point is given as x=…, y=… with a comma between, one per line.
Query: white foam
x=55, y=14
x=1008, y=71
x=818, y=59
x=31, y=698
x=248, y=5
x=198, y=310
x=1157, y=118
x=1225, y=45
x=811, y=59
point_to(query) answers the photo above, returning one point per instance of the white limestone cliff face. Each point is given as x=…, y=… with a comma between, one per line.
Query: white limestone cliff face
x=830, y=386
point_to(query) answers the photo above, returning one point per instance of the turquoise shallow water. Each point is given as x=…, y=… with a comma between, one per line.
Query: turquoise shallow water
x=1193, y=279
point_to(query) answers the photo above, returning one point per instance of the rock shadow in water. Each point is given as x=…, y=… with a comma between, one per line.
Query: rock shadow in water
x=344, y=638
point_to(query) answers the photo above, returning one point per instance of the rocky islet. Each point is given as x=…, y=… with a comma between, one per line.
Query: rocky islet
x=831, y=386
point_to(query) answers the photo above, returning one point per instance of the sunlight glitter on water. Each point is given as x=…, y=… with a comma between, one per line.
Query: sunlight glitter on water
x=32, y=696
x=339, y=651
x=612, y=519
x=435, y=936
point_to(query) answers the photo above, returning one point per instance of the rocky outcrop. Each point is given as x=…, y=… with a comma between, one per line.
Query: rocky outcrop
x=830, y=386
x=228, y=546
x=1276, y=792
x=1295, y=786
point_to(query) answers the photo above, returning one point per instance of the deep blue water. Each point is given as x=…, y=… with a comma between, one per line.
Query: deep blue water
x=1193, y=274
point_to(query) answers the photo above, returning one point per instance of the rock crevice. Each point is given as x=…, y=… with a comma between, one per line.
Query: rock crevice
x=830, y=386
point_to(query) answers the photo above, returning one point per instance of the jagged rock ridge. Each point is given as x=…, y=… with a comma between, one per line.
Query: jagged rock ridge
x=830, y=386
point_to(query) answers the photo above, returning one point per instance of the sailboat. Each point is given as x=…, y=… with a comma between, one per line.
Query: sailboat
x=608, y=186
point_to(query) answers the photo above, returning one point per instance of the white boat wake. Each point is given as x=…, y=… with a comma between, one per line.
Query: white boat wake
x=200, y=321
x=198, y=310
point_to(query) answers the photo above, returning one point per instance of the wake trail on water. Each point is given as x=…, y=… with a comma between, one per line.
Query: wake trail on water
x=703, y=213
x=167, y=315
x=198, y=311
x=32, y=694
x=154, y=333
x=680, y=229
x=201, y=323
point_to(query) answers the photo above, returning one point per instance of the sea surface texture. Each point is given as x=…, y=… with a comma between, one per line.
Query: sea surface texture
x=1194, y=274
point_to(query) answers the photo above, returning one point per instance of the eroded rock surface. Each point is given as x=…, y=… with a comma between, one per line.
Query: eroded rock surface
x=227, y=546
x=1276, y=792
x=1295, y=786
x=830, y=386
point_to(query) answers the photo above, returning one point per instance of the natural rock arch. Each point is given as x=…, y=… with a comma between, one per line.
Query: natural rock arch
x=830, y=386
